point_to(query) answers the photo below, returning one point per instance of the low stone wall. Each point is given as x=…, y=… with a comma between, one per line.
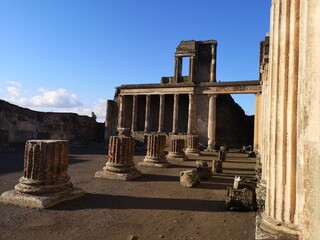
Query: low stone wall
x=23, y=124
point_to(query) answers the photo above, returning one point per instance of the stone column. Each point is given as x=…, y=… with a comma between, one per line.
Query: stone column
x=192, y=145
x=213, y=63
x=176, y=149
x=177, y=68
x=155, y=151
x=257, y=120
x=191, y=114
x=292, y=156
x=191, y=68
x=212, y=122
x=45, y=181
x=134, y=113
x=121, y=112
x=147, y=115
x=161, y=114
x=120, y=164
x=175, y=114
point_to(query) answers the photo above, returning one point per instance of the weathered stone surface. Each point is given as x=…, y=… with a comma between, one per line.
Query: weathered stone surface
x=240, y=199
x=189, y=178
x=192, y=145
x=176, y=150
x=217, y=166
x=120, y=163
x=155, y=151
x=222, y=154
x=203, y=170
x=45, y=181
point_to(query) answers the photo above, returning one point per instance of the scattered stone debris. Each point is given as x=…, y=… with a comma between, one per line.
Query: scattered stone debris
x=189, y=178
x=252, y=154
x=203, y=170
x=132, y=237
x=241, y=197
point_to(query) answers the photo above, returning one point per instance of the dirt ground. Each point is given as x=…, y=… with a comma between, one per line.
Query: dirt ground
x=153, y=206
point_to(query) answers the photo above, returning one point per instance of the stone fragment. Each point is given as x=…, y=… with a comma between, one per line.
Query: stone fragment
x=216, y=166
x=240, y=199
x=120, y=164
x=222, y=154
x=155, y=151
x=203, y=170
x=189, y=178
x=45, y=181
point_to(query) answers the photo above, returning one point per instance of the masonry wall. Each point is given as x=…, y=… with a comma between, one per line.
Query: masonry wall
x=23, y=124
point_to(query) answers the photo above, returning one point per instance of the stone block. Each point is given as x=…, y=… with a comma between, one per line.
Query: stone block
x=189, y=178
x=216, y=166
x=240, y=199
x=203, y=170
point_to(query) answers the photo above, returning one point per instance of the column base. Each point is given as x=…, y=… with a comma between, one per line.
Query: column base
x=118, y=175
x=154, y=162
x=178, y=157
x=275, y=229
x=41, y=202
x=195, y=152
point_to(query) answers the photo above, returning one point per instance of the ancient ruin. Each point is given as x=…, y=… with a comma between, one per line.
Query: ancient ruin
x=176, y=149
x=45, y=181
x=184, y=106
x=120, y=163
x=155, y=151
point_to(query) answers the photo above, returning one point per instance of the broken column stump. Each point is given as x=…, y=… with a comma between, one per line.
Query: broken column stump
x=189, y=178
x=203, y=170
x=176, y=150
x=222, y=154
x=45, y=181
x=155, y=151
x=192, y=145
x=241, y=197
x=216, y=166
x=120, y=164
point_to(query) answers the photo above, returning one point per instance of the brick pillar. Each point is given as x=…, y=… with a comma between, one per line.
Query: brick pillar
x=155, y=151
x=176, y=150
x=120, y=163
x=45, y=181
x=192, y=145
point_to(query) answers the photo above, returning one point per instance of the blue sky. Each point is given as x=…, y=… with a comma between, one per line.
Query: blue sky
x=69, y=55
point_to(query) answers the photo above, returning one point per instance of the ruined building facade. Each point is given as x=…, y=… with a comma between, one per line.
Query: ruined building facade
x=186, y=105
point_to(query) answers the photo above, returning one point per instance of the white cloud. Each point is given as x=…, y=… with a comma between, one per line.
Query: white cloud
x=59, y=98
x=14, y=83
x=13, y=91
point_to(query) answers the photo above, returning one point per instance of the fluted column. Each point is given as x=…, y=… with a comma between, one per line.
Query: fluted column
x=212, y=122
x=176, y=149
x=192, y=145
x=175, y=114
x=155, y=151
x=120, y=163
x=191, y=114
x=45, y=181
x=161, y=114
x=147, y=115
x=191, y=68
x=134, y=113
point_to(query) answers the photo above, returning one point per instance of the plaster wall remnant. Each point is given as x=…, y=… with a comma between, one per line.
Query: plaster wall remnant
x=187, y=105
x=45, y=181
x=120, y=163
x=290, y=151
